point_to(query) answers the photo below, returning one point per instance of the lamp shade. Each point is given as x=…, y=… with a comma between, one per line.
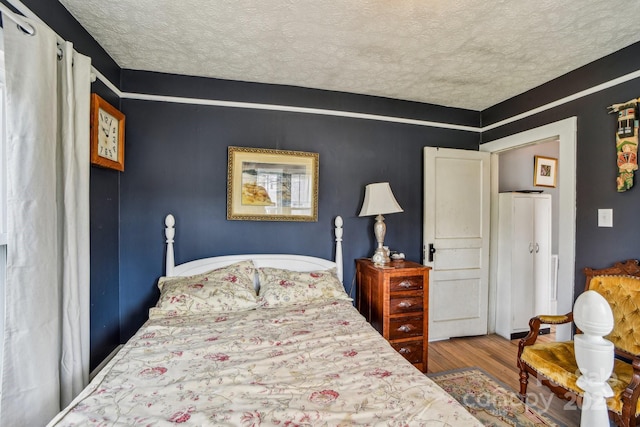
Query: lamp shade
x=379, y=200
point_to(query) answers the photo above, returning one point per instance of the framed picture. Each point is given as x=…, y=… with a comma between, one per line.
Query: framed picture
x=545, y=171
x=107, y=134
x=272, y=185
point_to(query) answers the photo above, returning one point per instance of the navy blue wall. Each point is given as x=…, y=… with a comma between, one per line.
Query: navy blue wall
x=176, y=162
x=596, y=154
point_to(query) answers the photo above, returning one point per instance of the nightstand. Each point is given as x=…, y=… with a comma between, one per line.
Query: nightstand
x=394, y=299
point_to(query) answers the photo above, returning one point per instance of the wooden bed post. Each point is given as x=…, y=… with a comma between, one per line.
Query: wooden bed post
x=338, y=260
x=169, y=233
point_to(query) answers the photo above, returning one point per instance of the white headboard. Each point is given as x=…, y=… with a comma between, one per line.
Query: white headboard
x=286, y=261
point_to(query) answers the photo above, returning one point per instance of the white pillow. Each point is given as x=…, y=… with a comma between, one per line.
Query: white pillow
x=224, y=289
x=285, y=287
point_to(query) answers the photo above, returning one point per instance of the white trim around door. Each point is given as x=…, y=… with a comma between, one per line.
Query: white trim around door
x=566, y=132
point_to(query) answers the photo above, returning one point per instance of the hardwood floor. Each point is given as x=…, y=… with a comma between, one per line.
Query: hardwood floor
x=497, y=356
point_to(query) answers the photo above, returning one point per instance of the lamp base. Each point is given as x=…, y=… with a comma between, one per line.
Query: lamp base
x=380, y=256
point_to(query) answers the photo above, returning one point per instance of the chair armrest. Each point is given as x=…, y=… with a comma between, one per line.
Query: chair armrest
x=631, y=393
x=534, y=327
x=558, y=319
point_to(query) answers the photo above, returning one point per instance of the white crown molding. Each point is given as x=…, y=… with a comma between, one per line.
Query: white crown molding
x=294, y=109
x=566, y=99
x=365, y=116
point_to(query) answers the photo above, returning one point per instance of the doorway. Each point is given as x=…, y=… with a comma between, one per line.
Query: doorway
x=565, y=132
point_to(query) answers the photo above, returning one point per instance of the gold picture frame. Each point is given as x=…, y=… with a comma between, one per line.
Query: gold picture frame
x=545, y=171
x=272, y=185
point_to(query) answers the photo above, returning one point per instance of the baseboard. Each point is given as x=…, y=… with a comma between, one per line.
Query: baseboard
x=518, y=335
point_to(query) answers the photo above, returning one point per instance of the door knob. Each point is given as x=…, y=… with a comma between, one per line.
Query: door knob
x=432, y=251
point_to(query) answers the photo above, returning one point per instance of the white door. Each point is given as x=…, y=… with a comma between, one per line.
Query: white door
x=542, y=255
x=521, y=278
x=456, y=240
x=523, y=258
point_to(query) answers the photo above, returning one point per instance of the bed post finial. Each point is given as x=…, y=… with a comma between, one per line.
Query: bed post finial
x=339, y=231
x=169, y=233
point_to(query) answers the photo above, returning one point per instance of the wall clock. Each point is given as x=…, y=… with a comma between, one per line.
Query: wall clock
x=107, y=134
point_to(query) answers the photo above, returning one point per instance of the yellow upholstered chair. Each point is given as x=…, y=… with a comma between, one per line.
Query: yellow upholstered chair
x=554, y=363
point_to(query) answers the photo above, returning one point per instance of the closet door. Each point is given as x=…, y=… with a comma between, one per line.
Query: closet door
x=542, y=255
x=524, y=260
x=522, y=264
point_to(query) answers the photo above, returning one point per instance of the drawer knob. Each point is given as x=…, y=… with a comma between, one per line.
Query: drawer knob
x=404, y=350
x=404, y=328
x=404, y=304
x=405, y=284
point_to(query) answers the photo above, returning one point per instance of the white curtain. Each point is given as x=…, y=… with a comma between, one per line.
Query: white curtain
x=46, y=333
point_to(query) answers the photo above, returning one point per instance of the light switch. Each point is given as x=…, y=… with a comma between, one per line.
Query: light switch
x=605, y=217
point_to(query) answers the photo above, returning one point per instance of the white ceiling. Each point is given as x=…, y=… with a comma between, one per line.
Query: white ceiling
x=459, y=53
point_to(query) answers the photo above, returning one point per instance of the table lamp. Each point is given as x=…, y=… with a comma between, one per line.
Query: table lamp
x=379, y=200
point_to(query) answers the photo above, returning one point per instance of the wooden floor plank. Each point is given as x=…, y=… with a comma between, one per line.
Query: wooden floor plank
x=497, y=356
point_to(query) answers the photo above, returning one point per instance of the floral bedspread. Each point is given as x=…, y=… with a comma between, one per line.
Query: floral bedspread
x=314, y=365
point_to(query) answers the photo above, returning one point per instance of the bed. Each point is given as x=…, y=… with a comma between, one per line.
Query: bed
x=297, y=354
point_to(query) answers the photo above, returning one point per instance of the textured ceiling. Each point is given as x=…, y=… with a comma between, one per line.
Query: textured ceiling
x=459, y=53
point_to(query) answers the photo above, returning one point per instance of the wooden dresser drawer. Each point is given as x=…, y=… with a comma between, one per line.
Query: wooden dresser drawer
x=406, y=304
x=411, y=350
x=406, y=283
x=405, y=327
x=394, y=299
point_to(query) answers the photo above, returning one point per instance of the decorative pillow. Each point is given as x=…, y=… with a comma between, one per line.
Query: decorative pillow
x=285, y=287
x=224, y=289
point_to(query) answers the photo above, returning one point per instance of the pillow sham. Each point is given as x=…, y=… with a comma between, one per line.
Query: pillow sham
x=280, y=287
x=224, y=289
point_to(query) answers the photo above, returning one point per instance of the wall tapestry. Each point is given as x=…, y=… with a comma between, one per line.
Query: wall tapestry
x=626, y=142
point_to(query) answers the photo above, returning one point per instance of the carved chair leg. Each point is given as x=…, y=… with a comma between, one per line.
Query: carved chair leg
x=524, y=381
x=628, y=421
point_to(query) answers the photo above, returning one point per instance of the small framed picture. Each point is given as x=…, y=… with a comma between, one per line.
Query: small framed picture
x=545, y=171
